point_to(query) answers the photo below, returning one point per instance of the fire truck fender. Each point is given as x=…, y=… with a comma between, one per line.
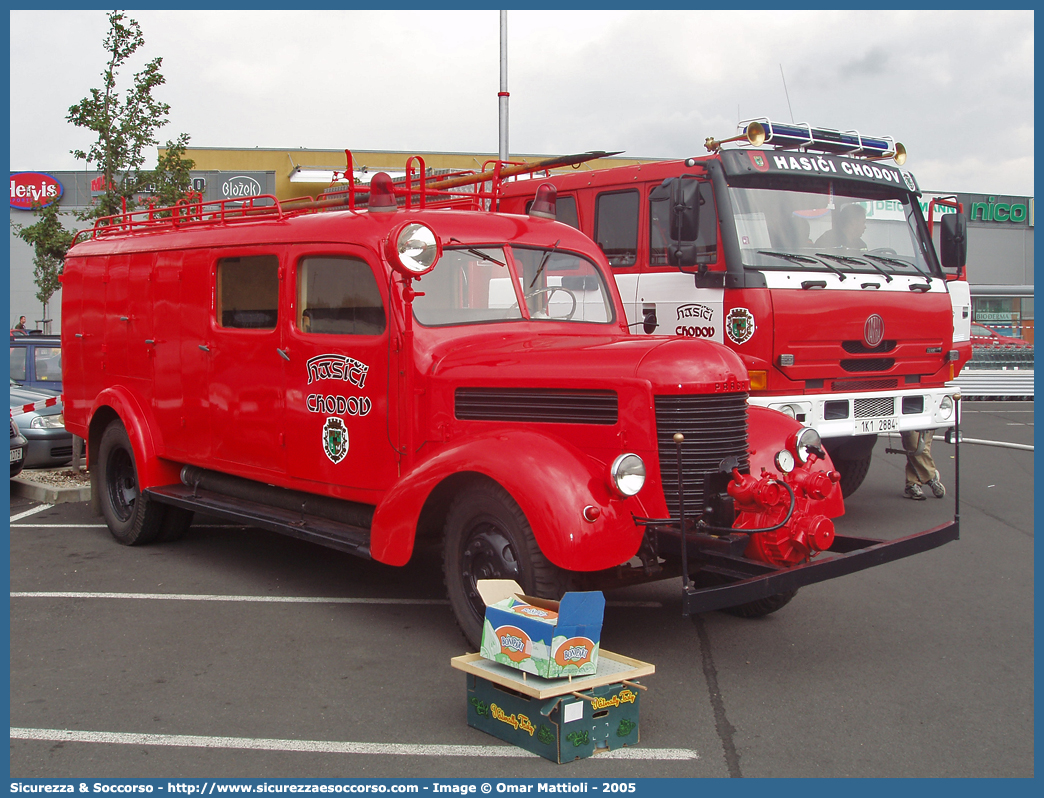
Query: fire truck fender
x=119, y=404
x=552, y=482
x=767, y=433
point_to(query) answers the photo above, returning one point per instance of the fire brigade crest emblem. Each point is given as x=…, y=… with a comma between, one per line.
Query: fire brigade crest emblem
x=758, y=160
x=739, y=325
x=335, y=439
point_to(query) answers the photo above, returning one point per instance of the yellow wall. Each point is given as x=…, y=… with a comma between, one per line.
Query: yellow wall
x=282, y=162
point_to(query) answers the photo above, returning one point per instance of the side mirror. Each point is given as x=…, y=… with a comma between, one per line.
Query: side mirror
x=684, y=221
x=953, y=243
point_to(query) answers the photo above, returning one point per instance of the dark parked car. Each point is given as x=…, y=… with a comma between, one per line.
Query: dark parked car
x=18, y=448
x=48, y=443
x=984, y=336
x=36, y=361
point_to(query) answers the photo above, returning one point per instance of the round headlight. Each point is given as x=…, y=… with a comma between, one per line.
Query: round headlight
x=788, y=410
x=807, y=439
x=946, y=406
x=628, y=474
x=414, y=249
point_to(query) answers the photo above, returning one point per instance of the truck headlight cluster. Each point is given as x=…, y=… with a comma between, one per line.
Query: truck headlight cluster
x=48, y=422
x=627, y=474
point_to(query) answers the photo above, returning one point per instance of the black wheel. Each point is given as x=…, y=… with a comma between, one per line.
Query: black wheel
x=761, y=607
x=852, y=472
x=131, y=517
x=488, y=537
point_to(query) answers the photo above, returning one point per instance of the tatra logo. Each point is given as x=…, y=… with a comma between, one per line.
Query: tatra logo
x=337, y=367
x=739, y=325
x=758, y=160
x=335, y=439
x=516, y=722
x=575, y=651
x=514, y=643
x=873, y=330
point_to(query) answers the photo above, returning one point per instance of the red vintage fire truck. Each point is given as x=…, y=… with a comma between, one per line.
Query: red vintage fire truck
x=805, y=253
x=366, y=373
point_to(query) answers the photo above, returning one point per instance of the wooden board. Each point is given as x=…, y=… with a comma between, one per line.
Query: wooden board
x=612, y=668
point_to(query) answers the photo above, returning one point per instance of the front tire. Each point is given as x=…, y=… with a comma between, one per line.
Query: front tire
x=131, y=517
x=487, y=536
x=853, y=472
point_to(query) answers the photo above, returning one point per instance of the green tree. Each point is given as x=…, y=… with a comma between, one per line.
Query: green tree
x=171, y=180
x=50, y=241
x=125, y=123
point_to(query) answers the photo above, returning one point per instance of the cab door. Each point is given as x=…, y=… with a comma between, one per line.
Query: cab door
x=340, y=417
x=246, y=356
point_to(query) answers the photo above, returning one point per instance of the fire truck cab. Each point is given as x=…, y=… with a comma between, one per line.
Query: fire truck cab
x=811, y=260
x=367, y=378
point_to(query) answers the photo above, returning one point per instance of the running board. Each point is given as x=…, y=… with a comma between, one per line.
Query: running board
x=313, y=528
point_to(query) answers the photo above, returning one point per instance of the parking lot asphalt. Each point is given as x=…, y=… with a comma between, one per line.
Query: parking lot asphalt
x=239, y=653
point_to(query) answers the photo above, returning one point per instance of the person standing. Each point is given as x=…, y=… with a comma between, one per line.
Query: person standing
x=921, y=472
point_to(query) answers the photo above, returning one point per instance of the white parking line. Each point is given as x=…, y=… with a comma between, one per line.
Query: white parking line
x=34, y=511
x=266, y=599
x=323, y=746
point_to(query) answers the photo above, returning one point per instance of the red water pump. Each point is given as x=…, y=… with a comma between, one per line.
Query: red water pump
x=763, y=503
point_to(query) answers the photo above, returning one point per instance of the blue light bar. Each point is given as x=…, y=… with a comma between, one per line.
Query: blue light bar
x=761, y=131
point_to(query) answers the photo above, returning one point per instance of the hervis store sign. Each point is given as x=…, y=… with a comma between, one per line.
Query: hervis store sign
x=31, y=190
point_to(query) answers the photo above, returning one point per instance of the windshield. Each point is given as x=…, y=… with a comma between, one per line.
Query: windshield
x=829, y=230
x=484, y=284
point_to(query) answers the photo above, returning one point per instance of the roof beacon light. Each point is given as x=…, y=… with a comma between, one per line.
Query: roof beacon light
x=382, y=195
x=544, y=203
x=802, y=136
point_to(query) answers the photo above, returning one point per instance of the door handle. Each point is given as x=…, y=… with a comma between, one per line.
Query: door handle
x=283, y=354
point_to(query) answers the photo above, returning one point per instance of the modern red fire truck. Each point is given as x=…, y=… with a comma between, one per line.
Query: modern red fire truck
x=805, y=253
x=366, y=378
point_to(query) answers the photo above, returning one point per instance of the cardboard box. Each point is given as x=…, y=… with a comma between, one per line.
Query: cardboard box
x=557, y=719
x=552, y=639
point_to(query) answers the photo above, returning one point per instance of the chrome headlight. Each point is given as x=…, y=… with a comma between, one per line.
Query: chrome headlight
x=807, y=440
x=48, y=422
x=414, y=249
x=945, y=406
x=627, y=474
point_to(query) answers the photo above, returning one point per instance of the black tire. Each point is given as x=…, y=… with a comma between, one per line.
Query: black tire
x=132, y=519
x=761, y=607
x=853, y=472
x=487, y=536
x=176, y=521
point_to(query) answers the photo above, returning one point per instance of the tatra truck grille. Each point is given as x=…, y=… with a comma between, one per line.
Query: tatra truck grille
x=715, y=427
x=537, y=404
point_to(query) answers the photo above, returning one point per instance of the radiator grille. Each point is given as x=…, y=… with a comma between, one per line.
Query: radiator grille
x=715, y=427
x=859, y=348
x=868, y=364
x=864, y=385
x=537, y=404
x=875, y=407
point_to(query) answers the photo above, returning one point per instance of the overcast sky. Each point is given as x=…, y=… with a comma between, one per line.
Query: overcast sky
x=955, y=87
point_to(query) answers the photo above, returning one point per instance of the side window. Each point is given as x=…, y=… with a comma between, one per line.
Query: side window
x=565, y=210
x=338, y=296
x=248, y=292
x=48, y=362
x=18, y=363
x=616, y=226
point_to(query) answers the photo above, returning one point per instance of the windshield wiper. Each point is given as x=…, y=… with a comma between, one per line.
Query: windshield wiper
x=897, y=262
x=478, y=253
x=789, y=256
x=543, y=262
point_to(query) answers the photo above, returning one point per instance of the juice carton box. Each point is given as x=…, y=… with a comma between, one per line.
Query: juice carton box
x=552, y=639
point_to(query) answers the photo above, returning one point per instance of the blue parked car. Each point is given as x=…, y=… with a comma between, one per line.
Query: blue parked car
x=36, y=361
